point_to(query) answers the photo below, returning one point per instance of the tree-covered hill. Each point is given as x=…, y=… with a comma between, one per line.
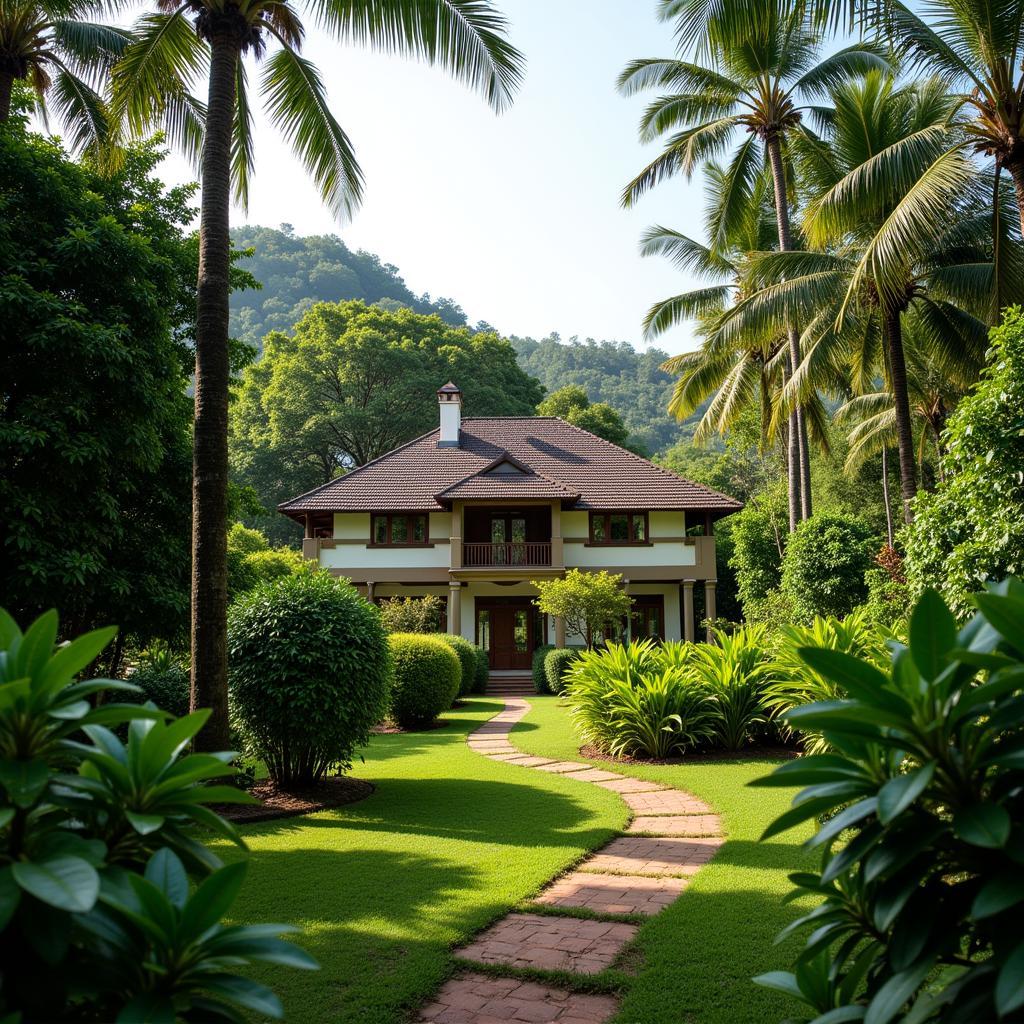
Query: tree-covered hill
x=297, y=272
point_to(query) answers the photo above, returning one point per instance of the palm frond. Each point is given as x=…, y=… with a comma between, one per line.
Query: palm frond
x=82, y=110
x=242, y=146
x=678, y=309
x=678, y=75
x=296, y=103
x=683, y=252
x=850, y=62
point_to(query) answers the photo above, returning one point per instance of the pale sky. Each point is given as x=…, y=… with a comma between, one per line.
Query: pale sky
x=515, y=216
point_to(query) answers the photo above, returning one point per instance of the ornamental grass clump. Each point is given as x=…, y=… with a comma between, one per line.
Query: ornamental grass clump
x=626, y=701
x=98, y=840
x=309, y=670
x=425, y=678
x=920, y=890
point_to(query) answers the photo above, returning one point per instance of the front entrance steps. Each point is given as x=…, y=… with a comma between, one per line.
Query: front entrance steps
x=510, y=684
x=636, y=875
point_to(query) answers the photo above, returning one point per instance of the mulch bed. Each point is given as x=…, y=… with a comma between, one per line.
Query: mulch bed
x=765, y=753
x=335, y=791
x=389, y=728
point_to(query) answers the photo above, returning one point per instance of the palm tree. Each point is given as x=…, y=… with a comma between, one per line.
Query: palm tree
x=152, y=84
x=764, y=69
x=977, y=46
x=897, y=238
x=51, y=46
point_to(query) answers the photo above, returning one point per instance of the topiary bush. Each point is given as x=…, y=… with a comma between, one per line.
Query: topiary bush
x=167, y=687
x=825, y=565
x=556, y=664
x=99, y=920
x=425, y=680
x=918, y=898
x=309, y=669
x=466, y=653
x=483, y=670
x=540, y=680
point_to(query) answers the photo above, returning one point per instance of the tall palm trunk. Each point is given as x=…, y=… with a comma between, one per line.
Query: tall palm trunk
x=1016, y=169
x=792, y=460
x=893, y=331
x=889, y=533
x=6, y=88
x=210, y=455
x=798, y=423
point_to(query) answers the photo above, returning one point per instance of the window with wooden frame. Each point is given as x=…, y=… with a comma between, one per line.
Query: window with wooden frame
x=398, y=529
x=619, y=528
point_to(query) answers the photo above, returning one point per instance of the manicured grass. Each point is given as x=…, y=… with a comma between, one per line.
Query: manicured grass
x=384, y=889
x=699, y=955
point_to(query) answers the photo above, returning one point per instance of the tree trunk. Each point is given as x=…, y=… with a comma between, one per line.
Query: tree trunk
x=6, y=88
x=792, y=444
x=885, y=496
x=797, y=420
x=210, y=455
x=1016, y=169
x=904, y=430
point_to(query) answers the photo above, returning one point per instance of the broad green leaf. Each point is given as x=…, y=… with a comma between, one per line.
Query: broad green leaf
x=899, y=793
x=985, y=825
x=932, y=634
x=65, y=882
x=796, y=815
x=1000, y=893
x=1005, y=615
x=75, y=656
x=211, y=901
x=244, y=992
x=891, y=997
x=37, y=646
x=860, y=679
x=781, y=981
x=148, y=1008
x=167, y=873
x=9, y=630
x=6, y=816
x=144, y=824
x=843, y=820
x=1010, y=983
x=24, y=780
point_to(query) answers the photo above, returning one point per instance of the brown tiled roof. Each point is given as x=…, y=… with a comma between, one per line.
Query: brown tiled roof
x=563, y=461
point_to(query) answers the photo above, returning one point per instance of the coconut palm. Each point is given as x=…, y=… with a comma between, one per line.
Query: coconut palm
x=62, y=56
x=898, y=238
x=759, y=82
x=174, y=48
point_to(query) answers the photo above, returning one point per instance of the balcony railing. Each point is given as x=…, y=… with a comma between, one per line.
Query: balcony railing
x=511, y=554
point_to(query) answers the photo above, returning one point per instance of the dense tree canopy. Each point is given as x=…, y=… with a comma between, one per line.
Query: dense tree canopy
x=572, y=404
x=296, y=272
x=96, y=299
x=355, y=381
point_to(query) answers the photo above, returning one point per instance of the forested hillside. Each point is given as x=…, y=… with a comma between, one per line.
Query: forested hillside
x=297, y=272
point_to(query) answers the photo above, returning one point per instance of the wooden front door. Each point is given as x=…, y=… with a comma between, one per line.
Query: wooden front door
x=505, y=631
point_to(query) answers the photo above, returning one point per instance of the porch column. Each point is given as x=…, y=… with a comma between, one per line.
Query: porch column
x=559, y=631
x=309, y=524
x=369, y=590
x=688, y=610
x=455, y=561
x=709, y=603
x=557, y=548
x=455, y=609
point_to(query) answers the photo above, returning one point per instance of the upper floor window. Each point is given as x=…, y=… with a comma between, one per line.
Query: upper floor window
x=397, y=528
x=618, y=528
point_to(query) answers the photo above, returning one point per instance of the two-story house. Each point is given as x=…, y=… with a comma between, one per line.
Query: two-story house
x=475, y=510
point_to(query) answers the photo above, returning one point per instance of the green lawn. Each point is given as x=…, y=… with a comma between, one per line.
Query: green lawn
x=450, y=841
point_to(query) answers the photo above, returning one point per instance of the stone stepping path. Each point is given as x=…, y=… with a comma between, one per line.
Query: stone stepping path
x=672, y=835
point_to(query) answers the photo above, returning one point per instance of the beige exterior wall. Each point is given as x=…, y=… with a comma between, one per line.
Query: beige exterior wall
x=668, y=546
x=351, y=549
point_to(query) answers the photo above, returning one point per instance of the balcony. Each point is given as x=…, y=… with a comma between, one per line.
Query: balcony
x=508, y=554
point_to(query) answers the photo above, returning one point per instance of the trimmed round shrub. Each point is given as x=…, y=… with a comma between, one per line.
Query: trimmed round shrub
x=556, y=663
x=309, y=666
x=540, y=680
x=425, y=680
x=825, y=566
x=466, y=653
x=483, y=670
x=167, y=686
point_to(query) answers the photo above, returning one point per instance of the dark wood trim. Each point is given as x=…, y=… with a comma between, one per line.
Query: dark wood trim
x=408, y=517
x=607, y=517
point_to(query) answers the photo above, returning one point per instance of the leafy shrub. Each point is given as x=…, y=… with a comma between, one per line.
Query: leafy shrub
x=167, y=688
x=483, y=670
x=556, y=664
x=971, y=528
x=591, y=603
x=96, y=837
x=540, y=680
x=466, y=653
x=795, y=682
x=425, y=681
x=309, y=671
x=626, y=701
x=823, y=570
x=758, y=538
x=919, y=897
x=252, y=561
x=734, y=671
x=412, y=614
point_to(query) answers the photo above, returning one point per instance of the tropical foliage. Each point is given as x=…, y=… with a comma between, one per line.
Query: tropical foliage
x=917, y=900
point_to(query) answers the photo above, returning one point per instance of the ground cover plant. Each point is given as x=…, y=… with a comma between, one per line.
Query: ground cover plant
x=425, y=678
x=310, y=668
x=97, y=840
x=922, y=801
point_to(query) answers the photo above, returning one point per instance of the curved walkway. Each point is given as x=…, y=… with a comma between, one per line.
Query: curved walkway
x=670, y=837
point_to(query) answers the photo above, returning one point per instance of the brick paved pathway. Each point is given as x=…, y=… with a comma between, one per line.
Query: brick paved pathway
x=672, y=835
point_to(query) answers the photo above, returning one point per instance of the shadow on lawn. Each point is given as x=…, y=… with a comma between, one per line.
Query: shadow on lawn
x=471, y=809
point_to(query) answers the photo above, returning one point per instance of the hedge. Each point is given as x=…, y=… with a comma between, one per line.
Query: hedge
x=466, y=653
x=540, y=682
x=556, y=661
x=425, y=678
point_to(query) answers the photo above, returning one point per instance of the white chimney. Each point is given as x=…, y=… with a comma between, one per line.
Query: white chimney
x=449, y=398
